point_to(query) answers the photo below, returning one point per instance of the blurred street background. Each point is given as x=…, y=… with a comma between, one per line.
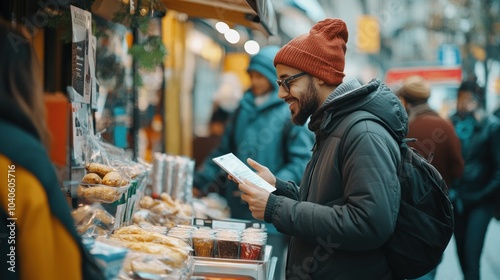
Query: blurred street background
x=160, y=68
x=449, y=269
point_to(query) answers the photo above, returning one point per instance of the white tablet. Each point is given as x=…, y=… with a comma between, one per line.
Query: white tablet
x=240, y=171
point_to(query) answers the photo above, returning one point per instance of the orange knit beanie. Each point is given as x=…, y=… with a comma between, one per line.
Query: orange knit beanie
x=321, y=53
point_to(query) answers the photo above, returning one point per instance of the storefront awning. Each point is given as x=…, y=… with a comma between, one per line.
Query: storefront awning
x=433, y=74
x=256, y=14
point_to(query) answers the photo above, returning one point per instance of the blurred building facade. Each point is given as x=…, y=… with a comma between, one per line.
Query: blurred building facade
x=425, y=33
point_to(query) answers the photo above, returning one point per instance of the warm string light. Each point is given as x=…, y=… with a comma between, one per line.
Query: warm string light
x=222, y=27
x=233, y=37
x=251, y=47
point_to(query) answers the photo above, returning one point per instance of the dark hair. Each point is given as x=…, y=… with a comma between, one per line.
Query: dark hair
x=21, y=89
x=219, y=115
x=472, y=87
x=468, y=86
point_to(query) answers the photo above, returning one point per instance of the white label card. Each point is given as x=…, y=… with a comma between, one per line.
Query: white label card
x=240, y=171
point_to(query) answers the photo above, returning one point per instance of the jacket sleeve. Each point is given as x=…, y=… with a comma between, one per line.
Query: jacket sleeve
x=298, y=144
x=367, y=217
x=288, y=189
x=456, y=166
x=493, y=185
x=285, y=189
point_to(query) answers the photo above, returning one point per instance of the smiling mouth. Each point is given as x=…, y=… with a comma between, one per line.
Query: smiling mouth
x=290, y=103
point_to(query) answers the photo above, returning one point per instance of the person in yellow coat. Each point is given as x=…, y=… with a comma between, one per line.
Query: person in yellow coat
x=38, y=239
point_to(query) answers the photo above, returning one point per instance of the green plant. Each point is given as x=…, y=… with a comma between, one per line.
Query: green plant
x=140, y=17
x=62, y=21
x=150, y=53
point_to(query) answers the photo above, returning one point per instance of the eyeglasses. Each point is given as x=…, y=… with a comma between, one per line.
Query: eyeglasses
x=285, y=82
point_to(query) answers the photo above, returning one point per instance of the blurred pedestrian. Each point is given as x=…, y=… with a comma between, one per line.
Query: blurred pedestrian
x=473, y=195
x=435, y=137
x=347, y=204
x=260, y=128
x=226, y=101
x=42, y=241
x=496, y=211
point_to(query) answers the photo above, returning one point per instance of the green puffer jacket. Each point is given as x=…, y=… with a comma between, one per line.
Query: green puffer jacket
x=341, y=215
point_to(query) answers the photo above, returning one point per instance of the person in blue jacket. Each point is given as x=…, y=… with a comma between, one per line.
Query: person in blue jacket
x=473, y=195
x=260, y=129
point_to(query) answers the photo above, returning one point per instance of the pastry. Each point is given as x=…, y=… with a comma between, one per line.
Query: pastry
x=81, y=214
x=112, y=179
x=91, y=178
x=146, y=202
x=133, y=229
x=98, y=168
x=104, y=218
x=99, y=194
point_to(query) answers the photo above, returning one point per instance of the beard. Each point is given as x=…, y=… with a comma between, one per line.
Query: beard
x=308, y=104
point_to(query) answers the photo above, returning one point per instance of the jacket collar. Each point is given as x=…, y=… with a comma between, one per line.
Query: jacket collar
x=322, y=115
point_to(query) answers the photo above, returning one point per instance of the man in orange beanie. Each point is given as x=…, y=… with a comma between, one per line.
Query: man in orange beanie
x=348, y=200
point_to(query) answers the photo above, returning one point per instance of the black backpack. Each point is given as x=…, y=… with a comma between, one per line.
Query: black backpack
x=425, y=220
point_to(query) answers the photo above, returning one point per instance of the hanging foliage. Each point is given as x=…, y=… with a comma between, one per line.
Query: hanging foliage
x=139, y=17
x=61, y=20
x=150, y=53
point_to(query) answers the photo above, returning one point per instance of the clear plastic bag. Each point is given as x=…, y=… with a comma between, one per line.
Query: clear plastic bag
x=147, y=266
x=107, y=158
x=110, y=257
x=93, y=220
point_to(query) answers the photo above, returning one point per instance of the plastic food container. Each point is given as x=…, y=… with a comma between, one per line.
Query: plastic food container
x=255, y=235
x=203, y=244
x=252, y=249
x=182, y=235
x=228, y=247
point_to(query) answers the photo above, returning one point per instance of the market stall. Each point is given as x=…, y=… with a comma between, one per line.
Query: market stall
x=160, y=233
x=256, y=14
x=139, y=219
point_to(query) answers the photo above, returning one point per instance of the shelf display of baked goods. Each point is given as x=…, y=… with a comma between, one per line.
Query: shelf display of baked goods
x=164, y=211
x=139, y=234
x=215, y=248
x=186, y=251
